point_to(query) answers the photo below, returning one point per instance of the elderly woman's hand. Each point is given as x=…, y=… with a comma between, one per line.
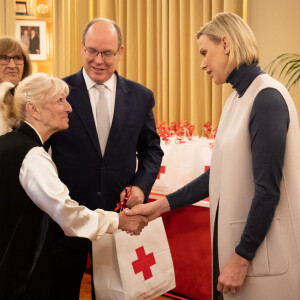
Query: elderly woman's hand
x=132, y=224
x=233, y=274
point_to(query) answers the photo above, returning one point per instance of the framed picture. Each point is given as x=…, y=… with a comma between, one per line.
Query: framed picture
x=33, y=35
x=21, y=8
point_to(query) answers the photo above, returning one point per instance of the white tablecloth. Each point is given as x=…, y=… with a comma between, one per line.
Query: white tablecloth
x=181, y=164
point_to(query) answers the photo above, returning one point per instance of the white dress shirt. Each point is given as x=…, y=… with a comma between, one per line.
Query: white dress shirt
x=111, y=87
x=38, y=176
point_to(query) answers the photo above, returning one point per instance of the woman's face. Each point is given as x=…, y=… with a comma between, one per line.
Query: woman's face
x=214, y=58
x=11, y=72
x=54, y=113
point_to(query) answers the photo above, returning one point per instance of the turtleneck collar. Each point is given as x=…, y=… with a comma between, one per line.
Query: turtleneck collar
x=241, y=78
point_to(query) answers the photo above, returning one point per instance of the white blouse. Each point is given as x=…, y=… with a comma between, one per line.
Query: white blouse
x=38, y=176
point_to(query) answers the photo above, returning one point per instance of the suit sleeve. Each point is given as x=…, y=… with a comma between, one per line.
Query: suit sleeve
x=149, y=153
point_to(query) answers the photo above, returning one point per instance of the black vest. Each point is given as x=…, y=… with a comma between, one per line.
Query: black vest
x=25, y=247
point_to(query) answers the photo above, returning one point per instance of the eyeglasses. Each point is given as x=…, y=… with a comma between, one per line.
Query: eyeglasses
x=5, y=59
x=105, y=54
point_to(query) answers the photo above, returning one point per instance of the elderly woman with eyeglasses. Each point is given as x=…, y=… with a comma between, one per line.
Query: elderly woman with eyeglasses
x=31, y=192
x=15, y=65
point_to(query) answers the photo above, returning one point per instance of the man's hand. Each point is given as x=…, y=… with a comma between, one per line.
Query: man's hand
x=132, y=224
x=136, y=196
x=150, y=210
x=233, y=274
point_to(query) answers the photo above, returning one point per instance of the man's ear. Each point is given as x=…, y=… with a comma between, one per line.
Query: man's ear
x=226, y=44
x=82, y=47
x=121, y=50
x=32, y=110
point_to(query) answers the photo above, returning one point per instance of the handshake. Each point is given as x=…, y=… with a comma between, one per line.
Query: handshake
x=136, y=216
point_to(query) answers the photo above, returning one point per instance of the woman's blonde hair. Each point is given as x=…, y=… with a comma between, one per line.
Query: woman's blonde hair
x=243, y=45
x=36, y=88
x=10, y=44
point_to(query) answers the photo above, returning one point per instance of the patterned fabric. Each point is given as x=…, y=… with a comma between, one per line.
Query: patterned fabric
x=103, y=124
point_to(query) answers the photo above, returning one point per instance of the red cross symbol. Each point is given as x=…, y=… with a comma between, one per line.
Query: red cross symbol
x=143, y=263
x=161, y=171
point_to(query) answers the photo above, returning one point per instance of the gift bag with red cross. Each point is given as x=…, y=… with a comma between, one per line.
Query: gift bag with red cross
x=133, y=267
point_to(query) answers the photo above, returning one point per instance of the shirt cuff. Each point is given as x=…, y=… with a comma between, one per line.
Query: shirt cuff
x=113, y=220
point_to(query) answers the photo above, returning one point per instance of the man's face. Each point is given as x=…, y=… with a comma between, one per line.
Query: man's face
x=101, y=37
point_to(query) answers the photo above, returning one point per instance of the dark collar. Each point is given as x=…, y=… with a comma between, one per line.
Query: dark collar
x=241, y=78
x=30, y=132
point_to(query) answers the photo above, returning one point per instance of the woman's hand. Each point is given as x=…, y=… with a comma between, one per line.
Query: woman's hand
x=233, y=274
x=132, y=224
x=150, y=210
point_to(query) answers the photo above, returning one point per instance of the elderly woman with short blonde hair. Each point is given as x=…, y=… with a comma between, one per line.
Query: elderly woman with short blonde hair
x=31, y=192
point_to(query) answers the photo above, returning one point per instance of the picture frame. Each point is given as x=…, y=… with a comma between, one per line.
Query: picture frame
x=33, y=35
x=21, y=8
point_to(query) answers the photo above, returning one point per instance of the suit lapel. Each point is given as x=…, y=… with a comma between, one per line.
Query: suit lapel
x=122, y=108
x=81, y=103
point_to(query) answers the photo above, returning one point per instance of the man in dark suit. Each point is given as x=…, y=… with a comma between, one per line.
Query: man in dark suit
x=97, y=175
x=34, y=43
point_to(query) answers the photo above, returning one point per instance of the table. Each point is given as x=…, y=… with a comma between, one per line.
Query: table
x=181, y=164
x=188, y=228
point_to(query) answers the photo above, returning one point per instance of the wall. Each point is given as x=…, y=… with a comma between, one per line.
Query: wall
x=276, y=24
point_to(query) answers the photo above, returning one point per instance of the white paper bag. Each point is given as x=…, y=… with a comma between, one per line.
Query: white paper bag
x=181, y=164
x=133, y=267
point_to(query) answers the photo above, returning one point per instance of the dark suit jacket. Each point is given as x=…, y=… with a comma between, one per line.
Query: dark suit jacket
x=96, y=181
x=34, y=44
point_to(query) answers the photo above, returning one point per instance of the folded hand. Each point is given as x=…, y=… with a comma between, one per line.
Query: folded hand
x=232, y=275
x=136, y=196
